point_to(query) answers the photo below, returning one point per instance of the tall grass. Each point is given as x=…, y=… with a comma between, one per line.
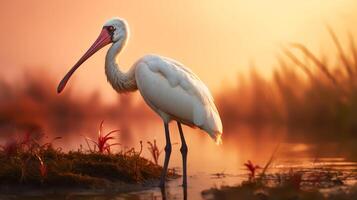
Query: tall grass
x=305, y=91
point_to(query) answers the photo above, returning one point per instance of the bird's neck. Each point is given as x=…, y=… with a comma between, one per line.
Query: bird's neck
x=121, y=81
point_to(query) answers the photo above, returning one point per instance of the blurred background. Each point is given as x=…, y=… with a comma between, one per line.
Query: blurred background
x=282, y=72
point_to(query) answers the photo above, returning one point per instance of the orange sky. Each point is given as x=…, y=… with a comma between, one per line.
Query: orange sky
x=216, y=39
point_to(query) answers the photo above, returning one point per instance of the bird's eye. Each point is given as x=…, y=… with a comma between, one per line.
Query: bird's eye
x=111, y=29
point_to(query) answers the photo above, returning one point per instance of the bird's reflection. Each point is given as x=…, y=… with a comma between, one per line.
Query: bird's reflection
x=184, y=188
x=164, y=192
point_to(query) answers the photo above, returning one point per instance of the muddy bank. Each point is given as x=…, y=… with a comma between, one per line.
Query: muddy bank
x=42, y=170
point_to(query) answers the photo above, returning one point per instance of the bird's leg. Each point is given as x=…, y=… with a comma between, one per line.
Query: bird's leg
x=167, y=155
x=163, y=193
x=184, y=151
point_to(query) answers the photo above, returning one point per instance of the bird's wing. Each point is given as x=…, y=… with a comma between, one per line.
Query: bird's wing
x=205, y=114
x=194, y=83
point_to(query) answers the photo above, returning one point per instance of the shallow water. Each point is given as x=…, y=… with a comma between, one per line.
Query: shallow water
x=203, y=181
x=210, y=165
x=200, y=181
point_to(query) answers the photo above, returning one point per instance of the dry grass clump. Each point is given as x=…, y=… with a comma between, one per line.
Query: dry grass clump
x=27, y=162
x=154, y=151
x=297, y=184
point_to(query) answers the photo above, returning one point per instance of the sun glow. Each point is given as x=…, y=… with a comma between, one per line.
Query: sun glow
x=216, y=39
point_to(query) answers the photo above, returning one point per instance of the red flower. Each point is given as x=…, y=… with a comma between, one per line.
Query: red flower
x=102, y=141
x=251, y=168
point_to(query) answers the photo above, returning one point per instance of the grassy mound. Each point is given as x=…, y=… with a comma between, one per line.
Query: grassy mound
x=75, y=168
x=28, y=163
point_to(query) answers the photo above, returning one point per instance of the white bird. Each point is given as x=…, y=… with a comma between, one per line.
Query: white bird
x=171, y=90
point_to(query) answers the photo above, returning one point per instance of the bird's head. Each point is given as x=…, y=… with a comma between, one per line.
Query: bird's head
x=113, y=31
x=117, y=28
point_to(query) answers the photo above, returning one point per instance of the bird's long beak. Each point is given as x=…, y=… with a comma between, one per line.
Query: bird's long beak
x=103, y=39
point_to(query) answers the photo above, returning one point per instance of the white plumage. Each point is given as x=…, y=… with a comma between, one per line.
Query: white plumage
x=176, y=93
x=173, y=91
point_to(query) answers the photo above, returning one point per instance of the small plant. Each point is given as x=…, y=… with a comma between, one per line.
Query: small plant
x=252, y=169
x=42, y=167
x=154, y=151
x=25, y=150
x=102, y=142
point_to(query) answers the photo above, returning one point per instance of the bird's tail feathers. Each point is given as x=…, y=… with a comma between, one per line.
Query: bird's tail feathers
x=217, y=136
x=215, y=128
